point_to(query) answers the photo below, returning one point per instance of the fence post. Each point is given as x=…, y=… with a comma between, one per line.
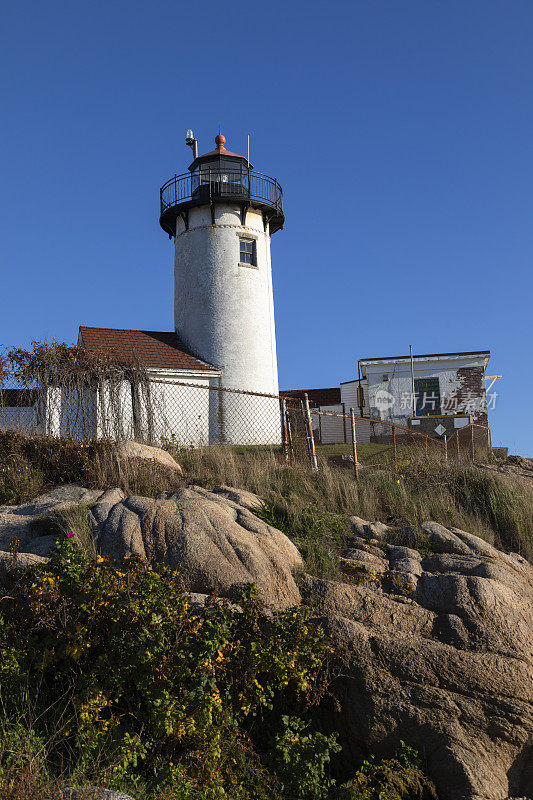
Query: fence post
x=445, y=448
x=457, y=438
x=354, y=445
x=310, y=440
x=289, y=440
x=285, y=436
x=472, y=441
x=394, y=448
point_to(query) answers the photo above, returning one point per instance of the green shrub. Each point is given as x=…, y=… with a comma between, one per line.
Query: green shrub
x=300, y=757
x=399, y=778
x=136, y=687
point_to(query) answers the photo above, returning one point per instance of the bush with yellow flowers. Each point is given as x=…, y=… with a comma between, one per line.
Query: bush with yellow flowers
x=125, y=683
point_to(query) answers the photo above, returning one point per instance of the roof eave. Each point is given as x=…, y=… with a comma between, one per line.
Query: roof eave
x=365, y=362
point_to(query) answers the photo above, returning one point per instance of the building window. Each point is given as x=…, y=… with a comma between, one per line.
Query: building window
x=427, y=391
x=248, y=252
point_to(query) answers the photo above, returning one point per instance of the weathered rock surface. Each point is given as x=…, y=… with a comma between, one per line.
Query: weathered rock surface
x=215, y=543
x=242, y=497
x=438, y=653
x=435, y=630
x=131, y=449
x=17, y=522
x=212, y=538
x=20, y=561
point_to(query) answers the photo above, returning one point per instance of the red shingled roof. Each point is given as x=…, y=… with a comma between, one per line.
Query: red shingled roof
x=158, y=349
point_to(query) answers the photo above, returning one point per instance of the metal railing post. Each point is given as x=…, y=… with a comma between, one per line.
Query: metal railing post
x=309, y=437
x=354, y=445
x=289, y=440
x=286, y=456
x=394, y=448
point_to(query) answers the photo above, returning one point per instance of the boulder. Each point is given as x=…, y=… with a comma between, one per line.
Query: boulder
x=242, y=497
x=132, y=450
x=439, y=653
x=216, y=544
x=19, y=561
x=18, y=522
x=367, y=530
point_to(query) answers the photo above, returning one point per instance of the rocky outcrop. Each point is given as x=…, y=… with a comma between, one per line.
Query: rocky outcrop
x=437, y=644
x=433, y=627
x=134, y=450
x=242, y=497
x=19, y=561
x=19, y=523
x=212, y=538
x=216, y=544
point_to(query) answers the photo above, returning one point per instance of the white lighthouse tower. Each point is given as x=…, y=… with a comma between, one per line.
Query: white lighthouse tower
x=222, y=214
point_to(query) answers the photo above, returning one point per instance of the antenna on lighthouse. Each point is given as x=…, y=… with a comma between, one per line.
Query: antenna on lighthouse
x=248, y=153
x=191, y=142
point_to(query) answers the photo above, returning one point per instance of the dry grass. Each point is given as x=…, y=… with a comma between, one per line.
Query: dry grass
x=309, y=507
x=495, y=507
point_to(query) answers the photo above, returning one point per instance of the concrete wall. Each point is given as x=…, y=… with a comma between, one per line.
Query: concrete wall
x=74, y=413
x=169, y=411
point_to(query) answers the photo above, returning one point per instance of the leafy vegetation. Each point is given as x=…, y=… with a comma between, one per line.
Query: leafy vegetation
x=392, y=779
x=109, y=676
x=108, y=672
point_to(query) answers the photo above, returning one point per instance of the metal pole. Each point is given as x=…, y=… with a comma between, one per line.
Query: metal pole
x=310, y=440
x=354, y=445
x=458, y=453
x=284, y=430
x=394, y=448
x=472, y=441
x=413, y=380
x=445, y=449
x=289, y=440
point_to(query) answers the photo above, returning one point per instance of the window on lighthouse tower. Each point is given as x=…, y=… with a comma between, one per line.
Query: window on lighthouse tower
x=248, y=252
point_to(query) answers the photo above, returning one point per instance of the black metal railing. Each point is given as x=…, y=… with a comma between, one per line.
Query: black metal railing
x=216, y=183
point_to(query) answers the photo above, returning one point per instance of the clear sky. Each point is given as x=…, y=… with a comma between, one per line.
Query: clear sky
x=400, y=130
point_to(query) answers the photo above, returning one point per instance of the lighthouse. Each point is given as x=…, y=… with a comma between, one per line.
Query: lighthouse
x=222, y=214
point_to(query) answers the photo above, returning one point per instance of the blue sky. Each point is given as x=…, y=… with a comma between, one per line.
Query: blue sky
x=400, y=131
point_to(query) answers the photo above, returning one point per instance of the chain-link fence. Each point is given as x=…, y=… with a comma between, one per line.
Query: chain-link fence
x=346, y=439
x=154, y=410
